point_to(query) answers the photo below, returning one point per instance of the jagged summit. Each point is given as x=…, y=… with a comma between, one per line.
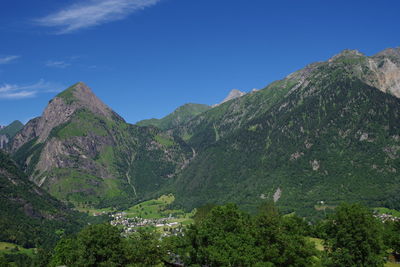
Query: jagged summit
x=234, y=93
x=81, y=96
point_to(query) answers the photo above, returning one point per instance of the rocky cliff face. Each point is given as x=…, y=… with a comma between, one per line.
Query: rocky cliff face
x=235, y=93
x=385, y=68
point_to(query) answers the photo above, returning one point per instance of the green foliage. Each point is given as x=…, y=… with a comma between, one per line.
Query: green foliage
x=144, y=249
x=102, y=245
x=165, y=141
x=95, y=245
x=68, y=94
x=83, y=123
x=30, y=150
x=355, y=237
x=230, y=237
x=29, y=216
x=392, y=236
x=155, y=209
x=202, y=212
x=271, y=139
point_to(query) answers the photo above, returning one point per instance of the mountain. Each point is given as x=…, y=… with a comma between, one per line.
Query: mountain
x=329, y=132
x=81, y=151
x=8, y=132
x=181, y=115
x=29, y=216
x=235, y=93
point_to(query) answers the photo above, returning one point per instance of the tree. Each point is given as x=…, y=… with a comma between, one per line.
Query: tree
x=202, y=212
x=144, y=249
x=95, y=245
x=230, y=237
x=282, y=240
x=396, y=237
x=354, y=237
x=223, y=238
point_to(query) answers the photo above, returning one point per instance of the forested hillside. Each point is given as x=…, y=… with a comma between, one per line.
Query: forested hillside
x=29, y=216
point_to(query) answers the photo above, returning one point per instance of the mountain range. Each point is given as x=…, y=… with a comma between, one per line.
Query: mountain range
x=327, y=133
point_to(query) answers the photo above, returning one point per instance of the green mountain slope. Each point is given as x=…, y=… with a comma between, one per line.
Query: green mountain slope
x=322, y=134
x=81, y=151
x=181, y=115
x=29, y=216
x=12, y=129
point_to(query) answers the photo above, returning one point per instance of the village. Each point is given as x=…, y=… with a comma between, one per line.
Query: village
x=129, y=225
x=387, y=217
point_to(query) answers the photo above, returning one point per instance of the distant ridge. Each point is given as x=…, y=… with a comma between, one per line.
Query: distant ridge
x=180, y=116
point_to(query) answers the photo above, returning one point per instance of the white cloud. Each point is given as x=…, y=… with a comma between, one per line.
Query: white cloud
x=8, y=59
x=92, y=13
x=13, y=91
x=57, y=64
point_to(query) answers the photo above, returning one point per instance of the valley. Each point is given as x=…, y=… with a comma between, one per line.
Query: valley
x=325, y=135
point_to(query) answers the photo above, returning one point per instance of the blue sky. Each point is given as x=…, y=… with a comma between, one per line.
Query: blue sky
x=144, y=58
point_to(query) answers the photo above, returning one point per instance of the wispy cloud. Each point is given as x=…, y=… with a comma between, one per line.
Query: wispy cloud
x=13, y=91
x=57, y=64
x=8, y=59
x=92, y=13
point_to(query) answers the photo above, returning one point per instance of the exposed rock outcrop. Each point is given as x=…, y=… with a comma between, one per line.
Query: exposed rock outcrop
x=235, y=93
x=59, y=111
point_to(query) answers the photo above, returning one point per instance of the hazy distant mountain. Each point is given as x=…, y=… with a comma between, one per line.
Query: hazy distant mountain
x=180, y=116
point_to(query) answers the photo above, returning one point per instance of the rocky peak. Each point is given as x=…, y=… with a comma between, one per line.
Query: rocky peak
x=81, y=96
x=59, y=110
x=235, y=93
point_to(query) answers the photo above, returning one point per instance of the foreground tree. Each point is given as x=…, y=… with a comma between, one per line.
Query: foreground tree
x=230, y=237
x=96, y=245
x=282, y=240
x=144, y=249
x=354, y=237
